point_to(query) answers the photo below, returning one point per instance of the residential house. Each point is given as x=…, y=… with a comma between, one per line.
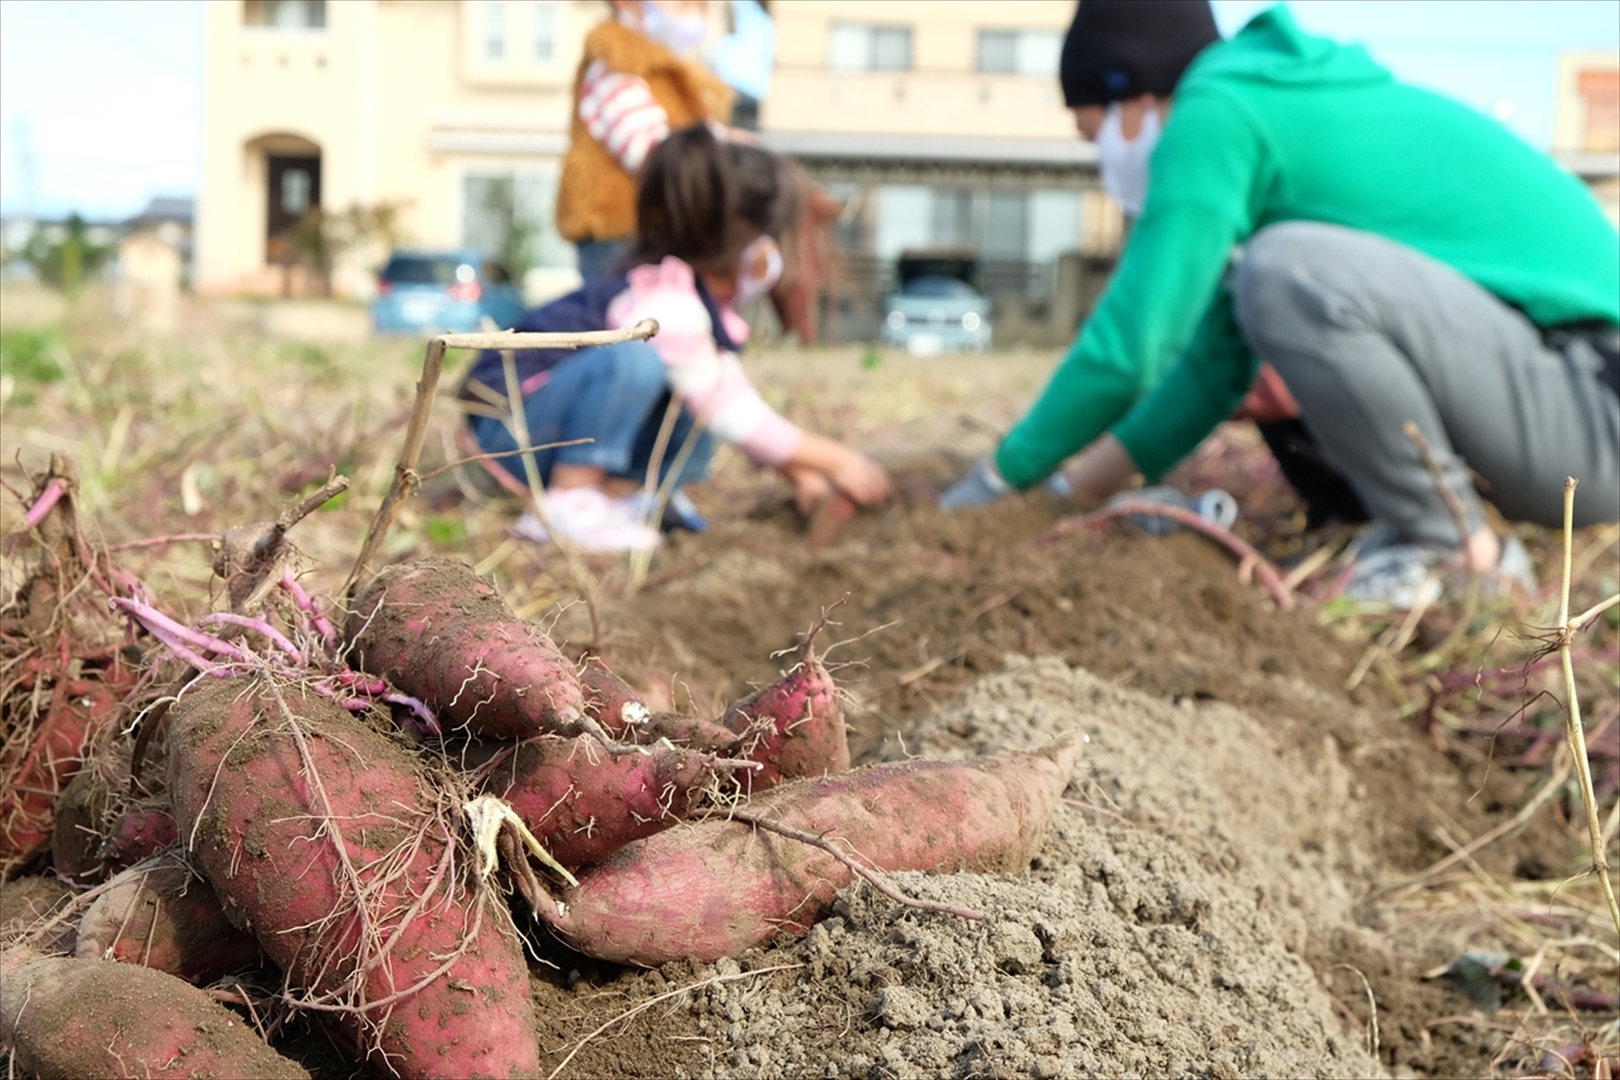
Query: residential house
x=434, y=106
x=1586, y=123
x=941, y=123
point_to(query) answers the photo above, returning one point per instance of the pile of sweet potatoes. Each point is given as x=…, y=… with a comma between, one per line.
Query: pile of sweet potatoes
x=63, y=667
x=345, y=813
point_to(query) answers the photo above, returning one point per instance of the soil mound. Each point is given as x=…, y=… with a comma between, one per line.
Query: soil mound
x=1163, y=946
x=1207, y=904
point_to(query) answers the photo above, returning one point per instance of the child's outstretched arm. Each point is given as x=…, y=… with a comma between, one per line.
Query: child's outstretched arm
x=819, y=466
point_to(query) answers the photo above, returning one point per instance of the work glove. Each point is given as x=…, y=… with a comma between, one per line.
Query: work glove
x=980, y=487
x=1214, y=505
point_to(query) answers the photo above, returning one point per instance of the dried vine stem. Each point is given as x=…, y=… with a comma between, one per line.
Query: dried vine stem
x=1567, y=628
x=1459, y=517
x=865, y=873
x=406, y=480
x=1268, y=574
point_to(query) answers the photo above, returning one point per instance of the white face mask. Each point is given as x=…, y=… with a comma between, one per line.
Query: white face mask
x=1124, y=162
x=680, y=34
x=751, y=284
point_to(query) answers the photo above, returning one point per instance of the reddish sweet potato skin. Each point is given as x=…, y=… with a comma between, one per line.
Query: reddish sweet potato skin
x=794, y=727
x=610, y=700
x=247, y=805
x=583, y=805
x=691, y=732
x=66, y=1019
x=439, y=632
x=139, y=834
x=717, y=887
x=160, y=914
x=79, y=708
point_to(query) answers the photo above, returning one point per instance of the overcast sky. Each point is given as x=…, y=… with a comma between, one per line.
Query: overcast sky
x=100, y=101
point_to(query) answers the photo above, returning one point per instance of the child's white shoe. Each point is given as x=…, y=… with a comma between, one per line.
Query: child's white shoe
x=588, y=519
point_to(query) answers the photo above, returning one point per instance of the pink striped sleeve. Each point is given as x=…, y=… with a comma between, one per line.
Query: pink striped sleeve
x=712, y=384
x=620, y=112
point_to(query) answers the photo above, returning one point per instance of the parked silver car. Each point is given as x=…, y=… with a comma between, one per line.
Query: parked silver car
x=936, y=309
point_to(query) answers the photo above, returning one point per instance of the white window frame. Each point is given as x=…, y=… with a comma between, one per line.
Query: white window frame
x=496, y=32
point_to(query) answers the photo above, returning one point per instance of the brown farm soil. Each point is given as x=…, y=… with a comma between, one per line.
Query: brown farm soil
x=1220, y=893
x=1233, y=815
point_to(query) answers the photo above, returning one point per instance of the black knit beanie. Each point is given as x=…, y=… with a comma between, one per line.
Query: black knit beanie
x=1121, y=49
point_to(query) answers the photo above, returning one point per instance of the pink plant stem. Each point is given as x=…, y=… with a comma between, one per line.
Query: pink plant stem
x=360, y=684
x=1463, y=679
x=425, y=718
x=306, y=604
x=1225, y=537
x=47, y=499
x=258, y=626
x=184, y=652
x=153, y=619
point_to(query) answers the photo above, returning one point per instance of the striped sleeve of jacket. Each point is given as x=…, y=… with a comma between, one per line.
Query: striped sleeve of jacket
x=620, y=112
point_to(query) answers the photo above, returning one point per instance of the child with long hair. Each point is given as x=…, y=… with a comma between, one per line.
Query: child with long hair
x=710, y=216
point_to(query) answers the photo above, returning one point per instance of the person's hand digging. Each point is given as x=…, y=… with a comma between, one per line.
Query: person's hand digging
x=982, y=486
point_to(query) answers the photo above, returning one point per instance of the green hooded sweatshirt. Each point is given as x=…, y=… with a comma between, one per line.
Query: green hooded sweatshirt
x=1277, y=125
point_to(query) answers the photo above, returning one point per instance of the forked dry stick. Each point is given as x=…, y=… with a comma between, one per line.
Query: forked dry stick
x=1567, y=629
x=659, y=492
x=406, y=480
x=872, y=877
x=1269, y=577
x=1459, y=514
x=1459, y=518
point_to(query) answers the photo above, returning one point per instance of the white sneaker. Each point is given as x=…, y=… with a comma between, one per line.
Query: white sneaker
x=1399, y=576
x=1405, y=576
x=587, y=518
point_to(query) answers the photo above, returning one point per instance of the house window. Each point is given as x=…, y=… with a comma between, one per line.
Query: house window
x=545, y=33
x=509, y=217
x=1019, y=52
x=858, y=47
x=495, y=30
x=285, y=14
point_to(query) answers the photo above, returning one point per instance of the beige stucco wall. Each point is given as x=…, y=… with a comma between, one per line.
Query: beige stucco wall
x=1569, y=108
x=270, y=90
x=400, y=103
x=941, y=95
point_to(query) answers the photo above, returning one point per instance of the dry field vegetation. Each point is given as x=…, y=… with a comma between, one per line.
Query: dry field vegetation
x=1422, y=764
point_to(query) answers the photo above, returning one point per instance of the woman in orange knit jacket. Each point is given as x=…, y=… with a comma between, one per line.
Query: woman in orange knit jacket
x=635, y=84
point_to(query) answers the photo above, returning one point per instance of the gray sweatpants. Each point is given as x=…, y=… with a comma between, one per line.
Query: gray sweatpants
x=1368, y=334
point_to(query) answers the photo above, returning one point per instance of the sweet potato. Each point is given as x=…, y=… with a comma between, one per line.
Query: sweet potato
x=795, y=726
x=583, y=804
x=161, y=914
x=76, y=1018
x=137, y=834
x=319, y=832
x=691, y=733
x=79, y=708
x=76, y=836
x=610, y=700
x=718, y=887
x=441, y=633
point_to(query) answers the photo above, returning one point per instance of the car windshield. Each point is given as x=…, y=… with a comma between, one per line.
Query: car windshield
x=936, y=286
x=421, y=270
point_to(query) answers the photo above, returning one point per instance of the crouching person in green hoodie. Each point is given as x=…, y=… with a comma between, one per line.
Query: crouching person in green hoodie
x=1393, y=255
